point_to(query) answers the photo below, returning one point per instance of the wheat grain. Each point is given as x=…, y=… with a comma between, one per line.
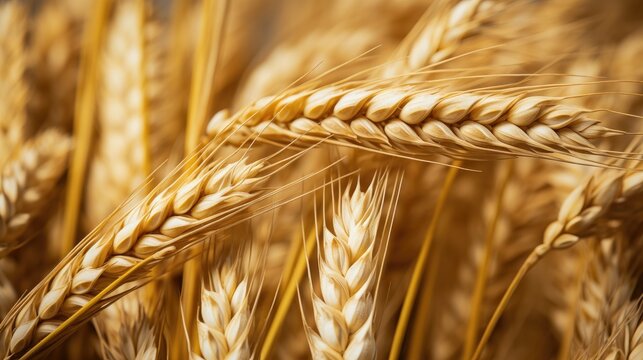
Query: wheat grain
x=224, y=326
x=127, y=329
x=410, y=120
x=13, y=89
x=27, y=183
x=344, y=314
x=166, y=221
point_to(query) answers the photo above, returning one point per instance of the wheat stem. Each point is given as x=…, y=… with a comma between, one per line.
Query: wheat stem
x=288, y=296
x=206, y=59
x=83, y=121
x=418, y=269
x=483, y=271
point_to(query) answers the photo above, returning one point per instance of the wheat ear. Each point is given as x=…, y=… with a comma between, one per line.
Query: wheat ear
x=127, y=330
x=26, y=184
x=225, y=321
x=441, y=35
x=412, y=120
x=607, y=195
x=163, y=224
x=122, y=121
x=344, y=314
x=13, y=89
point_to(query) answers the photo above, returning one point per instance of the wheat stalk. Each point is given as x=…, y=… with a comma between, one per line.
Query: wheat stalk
x=344, y=314
x=127, y=330
x=162, y=224
x=224, y=326
x=411, y=120
x=13, y=89
x=26, y=184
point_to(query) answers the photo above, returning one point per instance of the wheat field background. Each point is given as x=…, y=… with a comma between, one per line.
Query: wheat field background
x=306, y=179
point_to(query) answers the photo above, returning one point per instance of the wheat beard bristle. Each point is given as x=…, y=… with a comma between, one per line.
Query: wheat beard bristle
x=344, y=313
x=26, y=184
x=225, y=321
x=159, y=224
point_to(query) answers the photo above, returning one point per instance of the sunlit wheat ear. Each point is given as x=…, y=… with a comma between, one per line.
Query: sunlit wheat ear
x=26, y=184
x=441, y=35
x=13, y=89
x=166, y=222
x=127, y=330
x=344, y=313
x=225, y=320
x=417, y=121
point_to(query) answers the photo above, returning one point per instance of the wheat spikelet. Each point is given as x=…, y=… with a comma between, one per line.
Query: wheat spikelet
x=442, y=34
x=26, y=184
x=13, y=89
x=127, y=329
x=410, y=120
x=225, y=321
x=344, y=314
x=164, y=223
x=122, y=120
